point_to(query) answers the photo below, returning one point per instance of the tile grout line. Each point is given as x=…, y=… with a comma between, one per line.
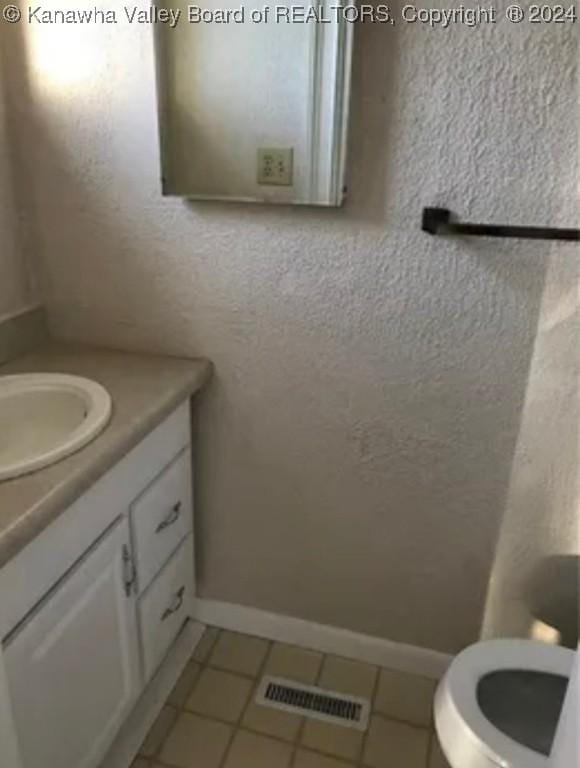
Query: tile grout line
x=238, y=723
x=234, y=727
x=304, y=720
x=221, y=721
x=373, y=696
x=181, y=709
x=206, y=664
x=230, y=672
x=154, y=760
x=355, y=762
x=400, y=721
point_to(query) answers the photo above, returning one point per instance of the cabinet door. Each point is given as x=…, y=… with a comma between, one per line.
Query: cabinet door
x=72, y=666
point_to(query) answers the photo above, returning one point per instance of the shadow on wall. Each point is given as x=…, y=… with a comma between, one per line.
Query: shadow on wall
x=17, y=285
x=553, y=595
x=536, y=569
x=401, y=360
x=373, y=89
x=15, y=89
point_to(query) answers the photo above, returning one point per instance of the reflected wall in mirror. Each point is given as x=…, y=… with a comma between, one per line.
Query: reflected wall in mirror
x=254, y=109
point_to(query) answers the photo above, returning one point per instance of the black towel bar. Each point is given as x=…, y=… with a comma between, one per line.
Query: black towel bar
x=438, y=221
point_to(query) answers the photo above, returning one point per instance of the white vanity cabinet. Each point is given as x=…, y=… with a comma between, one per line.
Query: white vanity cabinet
x=91, y=607
x=161, y=522
x=161, y=517
x=165, y=606
x=72, y=666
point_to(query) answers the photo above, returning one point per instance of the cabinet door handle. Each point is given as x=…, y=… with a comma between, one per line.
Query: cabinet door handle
x=129, y=570
x=171, y=518
x=175, y=605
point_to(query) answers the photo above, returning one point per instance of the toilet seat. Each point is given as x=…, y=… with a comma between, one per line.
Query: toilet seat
x=467, y=737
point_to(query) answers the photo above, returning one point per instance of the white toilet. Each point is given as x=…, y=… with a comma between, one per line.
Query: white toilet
x=499, y=704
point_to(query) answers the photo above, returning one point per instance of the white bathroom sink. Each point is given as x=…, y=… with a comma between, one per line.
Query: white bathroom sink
x=45, y=417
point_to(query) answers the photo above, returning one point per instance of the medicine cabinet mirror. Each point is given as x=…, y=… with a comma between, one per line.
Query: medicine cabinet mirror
x=253, y=101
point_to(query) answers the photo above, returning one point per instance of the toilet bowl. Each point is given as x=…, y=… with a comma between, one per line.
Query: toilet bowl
x=499, y=704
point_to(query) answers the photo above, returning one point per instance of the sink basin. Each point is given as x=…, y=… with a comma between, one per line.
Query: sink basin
x=45, y=417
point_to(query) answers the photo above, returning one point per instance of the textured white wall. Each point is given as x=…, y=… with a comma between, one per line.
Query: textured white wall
x=16, y=289
x=357, y=441
x=536, y=570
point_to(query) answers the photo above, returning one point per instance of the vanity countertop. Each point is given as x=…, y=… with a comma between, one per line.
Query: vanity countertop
x=144, y=389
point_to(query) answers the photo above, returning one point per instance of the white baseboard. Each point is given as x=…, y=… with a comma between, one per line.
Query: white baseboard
x=318, y=637
x=137, y=726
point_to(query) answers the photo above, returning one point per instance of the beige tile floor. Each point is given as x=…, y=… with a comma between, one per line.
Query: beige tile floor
x=211, y=721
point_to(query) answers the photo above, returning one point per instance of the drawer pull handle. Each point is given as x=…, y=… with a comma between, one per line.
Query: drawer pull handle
x=175, y=605
x=129, y=571
x=171, y=518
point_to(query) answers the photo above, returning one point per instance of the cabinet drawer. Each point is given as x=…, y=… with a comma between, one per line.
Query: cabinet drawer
x=161, y=517
x=165, y=606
